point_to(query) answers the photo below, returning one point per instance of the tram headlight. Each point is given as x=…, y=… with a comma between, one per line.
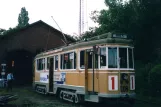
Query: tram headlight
x=124, y=76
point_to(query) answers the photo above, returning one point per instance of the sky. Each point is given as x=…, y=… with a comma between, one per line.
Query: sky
x=64, y=12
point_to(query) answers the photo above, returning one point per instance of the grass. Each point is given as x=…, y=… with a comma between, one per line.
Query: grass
x=149, y=99
x=28, y=98
x=23, y=96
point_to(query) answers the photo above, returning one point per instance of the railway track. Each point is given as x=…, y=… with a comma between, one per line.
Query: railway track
x=4, y=99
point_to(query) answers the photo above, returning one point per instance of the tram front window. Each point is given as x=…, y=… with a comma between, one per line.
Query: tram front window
x=103, y=57
x=130, y=52
x=123, y=57
x=112, y=57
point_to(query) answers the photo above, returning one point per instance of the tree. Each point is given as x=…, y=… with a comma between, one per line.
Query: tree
x=23, y=18
x=2, y=31
x=140, y=19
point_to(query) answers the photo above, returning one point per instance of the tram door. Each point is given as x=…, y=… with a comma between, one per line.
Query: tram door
x=51, y=73
x=91, y=82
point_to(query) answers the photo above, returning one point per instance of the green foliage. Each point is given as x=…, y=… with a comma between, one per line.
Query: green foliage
x=141, y=19
x=148, y=79
x=155, y=80
x=23, y=18
x=10, y=30
x=117, y=18
x=142, y=77
x=76, y=38
x=22, y=22
x=156, y=69
x=2, y=31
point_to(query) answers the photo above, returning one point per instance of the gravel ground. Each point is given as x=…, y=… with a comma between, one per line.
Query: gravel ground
x=28, y=98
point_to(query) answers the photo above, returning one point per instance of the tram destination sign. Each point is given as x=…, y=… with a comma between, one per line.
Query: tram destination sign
x=89, y=50
x=123, y=36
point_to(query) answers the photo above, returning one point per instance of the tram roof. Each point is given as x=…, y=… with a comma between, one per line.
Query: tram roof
x=107, y=38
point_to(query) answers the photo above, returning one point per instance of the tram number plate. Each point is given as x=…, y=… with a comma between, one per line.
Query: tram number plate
x=124, y=88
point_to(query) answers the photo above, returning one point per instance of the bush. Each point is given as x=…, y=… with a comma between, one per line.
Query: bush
x=155, y=81
x=142, y=77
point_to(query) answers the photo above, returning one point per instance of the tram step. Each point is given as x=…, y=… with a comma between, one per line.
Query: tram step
x=51, y=92
x=92, y=98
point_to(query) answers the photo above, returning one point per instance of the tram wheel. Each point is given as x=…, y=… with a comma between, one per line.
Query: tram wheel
x=45, y=91
x=75, y=99
x=36, y=88
x=61, y=95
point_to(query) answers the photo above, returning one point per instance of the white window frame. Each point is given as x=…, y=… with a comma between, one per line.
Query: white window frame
x=132, y=58
x=52, y=56
x=47, y=62
x=43, y=66
x=92, y=59
x=118, y=65
x=99, y=65
x=106, y=68
x=63, y=60
x=126, y=57
x=117, y=58
x=55, y=62
x=79, y=59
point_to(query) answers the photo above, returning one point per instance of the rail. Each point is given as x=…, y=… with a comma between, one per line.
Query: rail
x=4, y=99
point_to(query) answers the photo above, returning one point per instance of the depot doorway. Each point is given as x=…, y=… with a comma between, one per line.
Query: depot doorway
x=19, y=62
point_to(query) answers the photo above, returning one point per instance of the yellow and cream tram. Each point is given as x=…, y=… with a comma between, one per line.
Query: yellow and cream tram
x=94, y=70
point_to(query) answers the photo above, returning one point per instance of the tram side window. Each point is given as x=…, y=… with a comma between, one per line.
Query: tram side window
x=130, y=52
x=82, y=57
x=68, y=61
x=103, y=57
x=112, y=57
x=48, y=63
x=41, y=64
x=123, y=57
x=56, y=62
x=89, y=60
x=96, y=60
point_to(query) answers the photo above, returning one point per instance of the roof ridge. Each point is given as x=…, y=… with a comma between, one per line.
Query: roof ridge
x=16, y=29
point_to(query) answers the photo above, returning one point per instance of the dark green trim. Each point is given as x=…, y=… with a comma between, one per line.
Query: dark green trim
x=112, y=41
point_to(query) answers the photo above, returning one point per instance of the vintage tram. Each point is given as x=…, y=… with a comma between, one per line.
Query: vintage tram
x=94, y=70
